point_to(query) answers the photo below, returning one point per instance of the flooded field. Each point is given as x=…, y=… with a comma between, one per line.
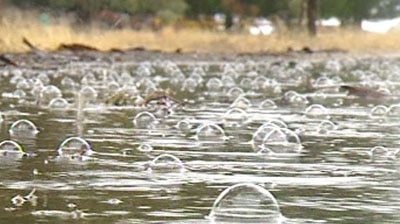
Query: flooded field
x=176, y=139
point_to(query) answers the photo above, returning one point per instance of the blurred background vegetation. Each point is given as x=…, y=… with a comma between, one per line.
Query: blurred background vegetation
x=139, y=14
x=201, y=25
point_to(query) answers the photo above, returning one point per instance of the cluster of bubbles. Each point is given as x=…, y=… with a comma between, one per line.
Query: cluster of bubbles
x=274, y=137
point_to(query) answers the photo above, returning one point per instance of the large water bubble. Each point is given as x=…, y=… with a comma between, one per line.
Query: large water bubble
x=246, y=203
x=210, y=131
x=58, y=103
x=48, y=93
x=23, y=127
x=270, y=138
x=11, y=149
x=145, y=120
x=74, y=148
x=317, y=111
x=378, y=111
x=88, y=93
x=235, y=117
x=166, y=163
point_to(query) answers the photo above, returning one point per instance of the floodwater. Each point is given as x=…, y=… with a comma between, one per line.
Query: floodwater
x=253, y=141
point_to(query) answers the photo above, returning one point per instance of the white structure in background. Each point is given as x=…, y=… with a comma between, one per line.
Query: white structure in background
x=331, y=22
x=262, y=26
x=380, y=26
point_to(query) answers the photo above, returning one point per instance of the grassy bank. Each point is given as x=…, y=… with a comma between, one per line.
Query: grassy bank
x=15, y=26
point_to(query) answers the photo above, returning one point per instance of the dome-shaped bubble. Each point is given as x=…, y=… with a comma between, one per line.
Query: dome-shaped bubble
x=145, y=147
x=241, y=102
x=48, y=93
x=11, y=149
x=89, y=79
x=44, y=78
x=145, y=120
x=68, y=83
x=294, y=98
x=74, y=147
x=184, y=125
x=245, y=203
x=394, y=110
x=177, y=77
x=378, y=111
x=326, y=126
x=228, y=81
x=323, y=81
x=246, y=83
x=214, y=85
x=58, y=103
x=166, y=163
x=19, y=93
x=235, y=92
x=88, y=93
x=23, y=127
x=271, y=138
x=235, y=116
x=209, y=131
x=24, y=84
x=189, y=85
x=267, y=104
x=316, y=110
x=382, y=152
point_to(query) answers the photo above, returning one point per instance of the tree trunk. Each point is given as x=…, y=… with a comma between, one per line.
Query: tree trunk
x=312, y=14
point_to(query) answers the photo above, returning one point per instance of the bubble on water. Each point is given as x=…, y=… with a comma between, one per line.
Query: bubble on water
x=88, y=80
x=271, y=138
x=241, y=102
x=44, y=78
x=19, y=93
x=58, y=103
x=235, y=117
x=177, y=77
x=189, y=85
x=317, y=111
x=294, y=98
x=326, y=126
x=166, y=163
x=88, y=93
x=24, y=84
x=382, y=152
x=145, y=120
x=23, y=127
x=48, y=93
x=245, y=203
x=68, y=83
x=214, y=85
x=74, y=148
x=324, y=81
x=228, y=81
x=378, y=111
x=209, y=131
x=267, y=104
x=145, y=147
x=246, y=83
x=11, y=149
x=235, y=92
x=394, y=110
x=184, y=125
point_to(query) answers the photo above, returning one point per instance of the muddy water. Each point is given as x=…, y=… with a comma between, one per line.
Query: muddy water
x=331, y=157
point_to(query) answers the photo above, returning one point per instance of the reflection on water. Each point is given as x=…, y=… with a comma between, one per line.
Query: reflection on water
x=277, y=127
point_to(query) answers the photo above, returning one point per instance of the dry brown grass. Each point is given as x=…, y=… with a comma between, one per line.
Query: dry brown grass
x=16, y=25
